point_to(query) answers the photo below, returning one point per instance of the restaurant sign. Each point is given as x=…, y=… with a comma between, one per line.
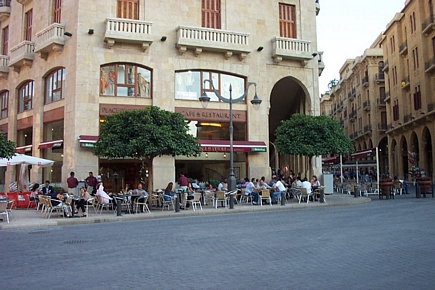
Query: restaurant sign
x=211, y=115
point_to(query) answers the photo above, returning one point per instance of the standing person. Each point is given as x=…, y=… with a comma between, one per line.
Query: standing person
x=72, y=184
x=183, y=182
x=91, y=183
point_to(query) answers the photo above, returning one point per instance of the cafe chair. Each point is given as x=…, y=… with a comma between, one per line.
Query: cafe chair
x=101, y=206
x=221, y=197
x=34, y=201
x=397, y=187
x=141, y=201
x=90, y=203
x=50, y=208
x=245, y=198
x=265, y=195
x=41, y=204
x=196, y=201
x=168, y=202
x=3, y=210
x=9, y=207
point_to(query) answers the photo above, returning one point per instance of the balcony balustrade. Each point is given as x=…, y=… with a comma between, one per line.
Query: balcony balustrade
x=403, y=49
x=5, y=9
x=428, y=25
x=365, y=81
x=405, y=83
x=380, y=77
x=366, y=105
x=120, y=30
x=291, y=49
x=22, y=55
x=429, y=66
x=380, y=102
x=4, y=66
x=24, y=2
x=386, y=66
x=50, y=39
x=382, y=127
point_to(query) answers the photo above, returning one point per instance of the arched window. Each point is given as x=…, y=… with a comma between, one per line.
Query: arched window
x=189, y=85
x=55, y=86
x=4, y=98
x=125, y=80
x=25, y=95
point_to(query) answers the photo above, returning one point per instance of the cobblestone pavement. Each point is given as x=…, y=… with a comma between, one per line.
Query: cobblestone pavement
x=383, y=244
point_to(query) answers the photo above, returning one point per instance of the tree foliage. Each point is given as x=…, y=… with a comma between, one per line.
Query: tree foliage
x=145, y=134
x=311, y=136
x=7, y=148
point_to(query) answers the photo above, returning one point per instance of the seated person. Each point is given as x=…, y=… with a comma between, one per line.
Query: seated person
x=104, y=197
x=84, y=196
x=307, y=185
x=142, y=192
x=208, y=185
x=34, y=194
x=195, y=185
x=58, y=198
x=242, y=183
x=47, y=189
x=223, y=185
x=278, y=189
x=251, y=190
x=314, y=182
x=168, y=195
x=128, y=189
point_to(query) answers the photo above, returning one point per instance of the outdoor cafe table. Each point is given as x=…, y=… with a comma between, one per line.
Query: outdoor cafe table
x=125, y=198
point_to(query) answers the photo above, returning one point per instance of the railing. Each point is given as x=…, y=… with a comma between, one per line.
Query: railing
x=427, y=24
x=403, y=48
x=407, y=118
x=381, y=102
x=429, y=65
x=23, y=49
x=291, y=48
x=54, y=31
x=380, y=77
x=382, y=127
x=366, y=105
x=405, y=82
x=5, y=3
x=430, y=107
x=365, y=80
x=4, y=61
x=131, y=26
x=367, y=128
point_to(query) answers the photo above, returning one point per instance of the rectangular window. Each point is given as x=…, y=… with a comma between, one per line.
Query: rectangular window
x=128, y=9
x=396, y=110
x=4, y=99
x=417, y=98
x=416, y=58
x=28, y=25
x=287, y=20
x=57, y=11
x=382, y=93
x=5, y=40
x=211, y=13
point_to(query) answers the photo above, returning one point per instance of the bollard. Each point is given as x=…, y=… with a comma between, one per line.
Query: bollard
x=119, y=206
x=282, y=197
x=232, y=200
x=322, y=196
x=176, y=202
x=355, y=191
x=417, y=191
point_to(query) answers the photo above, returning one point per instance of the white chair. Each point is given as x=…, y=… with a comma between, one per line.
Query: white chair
x=90, y=203
x=221, y=197
x=101, y=205
x=245, y=198
x=3, y=209
x=9, y=207
x=196, y=201
x=141, y=201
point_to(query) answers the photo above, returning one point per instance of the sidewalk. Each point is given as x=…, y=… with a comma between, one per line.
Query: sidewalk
x=25, y=218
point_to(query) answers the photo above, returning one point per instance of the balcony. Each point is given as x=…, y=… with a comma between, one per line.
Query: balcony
x=428, y=26
x=367, y=129
x=429, y=66
x=352, y=116
x=24, y=2
x=216, y=40
x=382, y=127
x=320, y=63
x=430, y=107
x=317, y=7
x=386, y=66
x=291, y=49
x=387, y=97
x=380, y=102
x=4, y=66
x=403, y=49
x=365, y=81
x=407, y=118
x=405, y=83
x=22, y=55
x=128, y=31
x=50, y=39
x=340, y=107
x=342, y=123
x=366, y=105
x=5, y=9
x=380, y=77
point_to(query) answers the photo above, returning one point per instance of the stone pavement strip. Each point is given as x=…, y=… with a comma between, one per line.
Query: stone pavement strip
x=24, y=218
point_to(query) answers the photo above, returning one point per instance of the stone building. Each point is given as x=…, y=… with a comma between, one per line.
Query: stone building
x=66, y=64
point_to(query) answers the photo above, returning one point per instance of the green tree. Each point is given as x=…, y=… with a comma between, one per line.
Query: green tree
x=7, y=148
x=145, y=134
x=332, y=83
x=311, y=136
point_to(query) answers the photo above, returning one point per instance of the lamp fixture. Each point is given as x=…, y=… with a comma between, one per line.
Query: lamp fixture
x=66, y=33
x=210, y=124
x=163, y=38
x=314, y=54
x=400, y=124
x=225, y=155
x=260, y=48
x=422, y=113
x=206, y=155
x=90, y=31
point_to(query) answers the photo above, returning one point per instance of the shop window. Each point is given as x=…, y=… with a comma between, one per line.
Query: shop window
x=125, y=80
x=55, y=86
x=4, y=98
x=53, y=131
x=189, y=85
x=210, y=130
x=25, y=95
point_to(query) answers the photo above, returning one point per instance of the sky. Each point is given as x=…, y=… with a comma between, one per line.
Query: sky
x=345, y=28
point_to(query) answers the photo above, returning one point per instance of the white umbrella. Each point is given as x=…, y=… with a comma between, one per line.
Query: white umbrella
x=25, y=159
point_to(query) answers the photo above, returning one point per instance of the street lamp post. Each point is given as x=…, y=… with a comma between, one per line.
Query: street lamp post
x=204, y=99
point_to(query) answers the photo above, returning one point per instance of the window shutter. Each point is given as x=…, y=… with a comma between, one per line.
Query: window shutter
x=128, y=9
x=287, y=21
x=211, y=15
x=57, y=11
x=29, y=19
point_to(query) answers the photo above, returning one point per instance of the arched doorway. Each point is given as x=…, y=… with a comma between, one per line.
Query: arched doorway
x=288, y=96
x=427, y=159
x=383, y=156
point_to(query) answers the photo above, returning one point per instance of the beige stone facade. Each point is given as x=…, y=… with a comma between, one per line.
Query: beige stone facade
x=392, y=91
x=166, y=39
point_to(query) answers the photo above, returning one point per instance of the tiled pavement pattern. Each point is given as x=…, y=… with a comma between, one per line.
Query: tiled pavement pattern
x=384, y=244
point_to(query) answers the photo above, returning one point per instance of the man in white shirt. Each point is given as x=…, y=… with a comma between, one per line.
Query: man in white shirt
x=306, y=184
x=278, y=189
x=223, y=185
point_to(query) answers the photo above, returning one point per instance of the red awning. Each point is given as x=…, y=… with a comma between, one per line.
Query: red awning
x=333, y=159
x=50, y=144
x=23, y=149
x=238, y=146
x=364, y=153
x=88, y=139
